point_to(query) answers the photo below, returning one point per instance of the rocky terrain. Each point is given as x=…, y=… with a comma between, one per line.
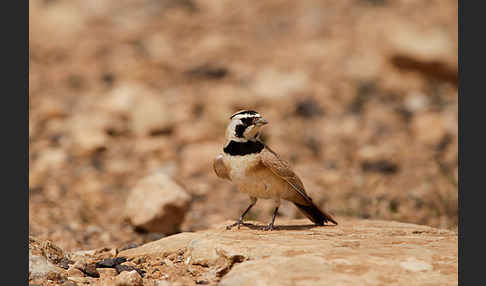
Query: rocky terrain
x=356, y=252
x=128, y=101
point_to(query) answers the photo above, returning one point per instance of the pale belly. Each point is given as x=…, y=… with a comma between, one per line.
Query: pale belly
x=261, y=184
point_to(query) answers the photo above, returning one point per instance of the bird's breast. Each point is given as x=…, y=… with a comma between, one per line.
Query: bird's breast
x=252, y=177
x=240, y=165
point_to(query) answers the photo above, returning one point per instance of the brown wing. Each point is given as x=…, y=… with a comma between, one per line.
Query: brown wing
x=282, y=169
x=219, y=167
x=298, y=195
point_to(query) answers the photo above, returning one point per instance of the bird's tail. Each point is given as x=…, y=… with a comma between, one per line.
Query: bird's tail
x=315, y=214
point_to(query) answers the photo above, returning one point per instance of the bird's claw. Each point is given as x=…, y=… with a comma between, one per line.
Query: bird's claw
x=238, y=223
x=269, y=227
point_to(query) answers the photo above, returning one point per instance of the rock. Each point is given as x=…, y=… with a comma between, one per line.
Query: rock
x=424, y=45
x=416, y=102
x=148, y=111
x=121, y=99
x=91, y=271
x=40, y=267
x=88, y=132
x=157, y=204
x=64, y=263
x=355, y=252
x=80, y=264
x=129, y=278
x=149, y=116
x=383, y=166
x=75, y=272
x=120, y=268
x=308, y=108
x=429, y=128
x=107, y=272
x=46, y=260
x=45, y=247
x=157, y=248
x=274, y=83
x=110, y=262
x=87, y=268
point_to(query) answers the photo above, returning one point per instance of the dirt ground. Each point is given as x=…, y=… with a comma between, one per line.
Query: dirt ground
x=361, y=96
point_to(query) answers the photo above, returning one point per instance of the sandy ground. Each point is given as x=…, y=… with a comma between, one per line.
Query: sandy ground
x=361, y=97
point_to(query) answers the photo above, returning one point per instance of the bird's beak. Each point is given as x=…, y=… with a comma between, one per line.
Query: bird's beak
x=261, y=121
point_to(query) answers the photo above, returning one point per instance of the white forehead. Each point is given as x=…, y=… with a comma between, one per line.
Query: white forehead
x=246, y=115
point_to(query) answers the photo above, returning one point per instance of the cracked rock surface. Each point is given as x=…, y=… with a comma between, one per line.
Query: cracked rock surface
x=356, y=252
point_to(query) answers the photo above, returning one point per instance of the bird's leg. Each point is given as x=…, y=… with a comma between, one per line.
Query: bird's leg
x=239, y=222
x=270, y=225
x=275, y=212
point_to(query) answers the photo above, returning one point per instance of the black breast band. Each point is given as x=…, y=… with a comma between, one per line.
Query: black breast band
x=243, y=148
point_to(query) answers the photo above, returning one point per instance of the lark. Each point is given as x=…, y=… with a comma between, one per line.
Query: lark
x=258, y=171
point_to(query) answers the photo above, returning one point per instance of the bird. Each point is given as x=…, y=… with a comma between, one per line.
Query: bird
x=258, y=171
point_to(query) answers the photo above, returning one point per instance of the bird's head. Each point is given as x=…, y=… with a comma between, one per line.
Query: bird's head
x=245, y=125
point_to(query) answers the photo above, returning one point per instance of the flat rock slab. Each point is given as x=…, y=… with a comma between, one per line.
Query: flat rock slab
x=356, y=252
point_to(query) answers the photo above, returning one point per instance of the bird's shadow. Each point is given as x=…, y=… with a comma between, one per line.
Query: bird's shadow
x=284, y=227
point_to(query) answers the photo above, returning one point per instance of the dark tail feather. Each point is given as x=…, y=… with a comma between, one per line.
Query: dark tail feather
x=315, y=214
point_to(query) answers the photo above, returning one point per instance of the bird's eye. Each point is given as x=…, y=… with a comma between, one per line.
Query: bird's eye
x=247, y=121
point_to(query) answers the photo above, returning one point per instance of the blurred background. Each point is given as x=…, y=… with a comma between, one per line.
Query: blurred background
x=361, y=96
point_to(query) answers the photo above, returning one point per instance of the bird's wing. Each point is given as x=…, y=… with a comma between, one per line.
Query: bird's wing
x=220, y=168
x=282, y=169
x=298, y=195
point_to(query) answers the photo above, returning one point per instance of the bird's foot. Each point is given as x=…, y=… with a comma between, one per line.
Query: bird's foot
x=238, y=223
x=269, y=227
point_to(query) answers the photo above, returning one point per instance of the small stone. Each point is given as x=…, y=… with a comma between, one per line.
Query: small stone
x=416, y=102
x=110, y=262
x=121, y=268
x=88, y=269
x=79, y=280
x=275, y=83
x=151, y=114
x=308, y=108
x=157, y=204
x=429, y=128
x=80, y=264
x=75, y=272
x=55, y=276
x=382, y=166
x=107, y=272
x=423, y=45
x=64, y=263
x=129, y=278
x=84, y=252
x=40, y=267
x=88, y=132
x=208, y=71
x=91, y=271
